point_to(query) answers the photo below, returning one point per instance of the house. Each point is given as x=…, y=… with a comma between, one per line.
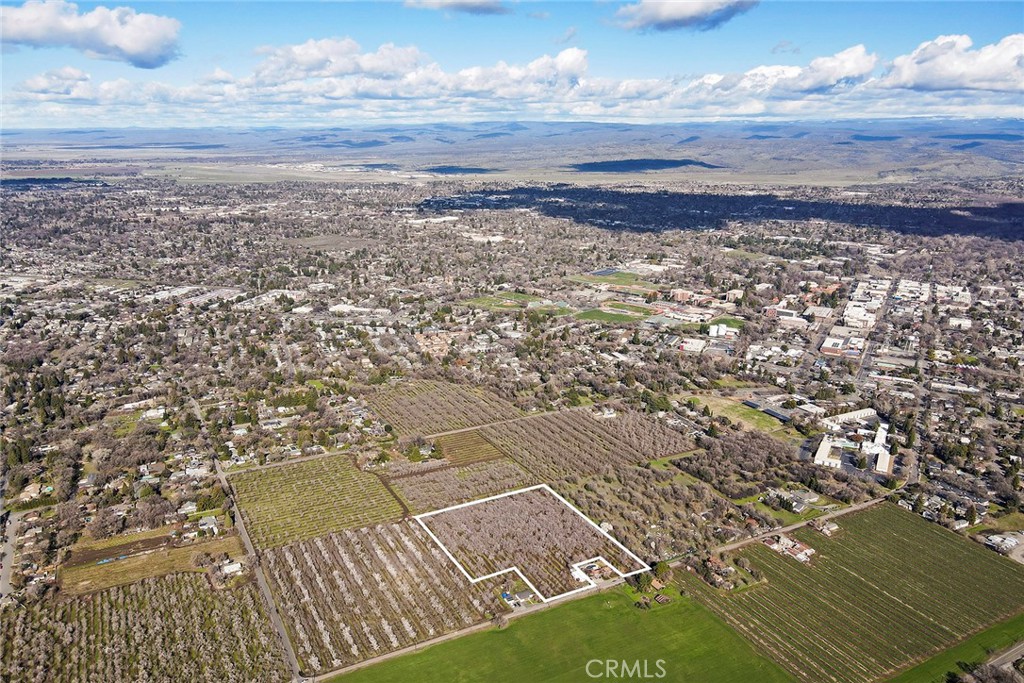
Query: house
x=231, y=568
x=209, y=524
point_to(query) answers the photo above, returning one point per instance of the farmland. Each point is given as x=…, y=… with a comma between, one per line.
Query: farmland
x=170, y=629
x=888, y=591
x=89, y=577
x=427, y=407
x=531, y=530
x=446, y=486
x=310, y=498
x=353, y=595
x=694, y=643
x=560, y=444
x=466, y=448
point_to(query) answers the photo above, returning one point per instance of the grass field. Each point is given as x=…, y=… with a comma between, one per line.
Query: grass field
x=1011, y=522
x=630, y=308
x=86, y=543
x=603, y=316
x=311, y=498
x=889, y=591
x=974, y=650
x=620, y=278
x=466, y=448
x=556, y=644
x=502, y=301
x=736, y=411
x=87, y=578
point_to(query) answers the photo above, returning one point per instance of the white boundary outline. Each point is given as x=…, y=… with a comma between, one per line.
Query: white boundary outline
x=576, y=566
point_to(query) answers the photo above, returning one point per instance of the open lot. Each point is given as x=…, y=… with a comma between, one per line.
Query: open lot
x=556, y=645
x=311, y=498
x=888, y=591
x=90, y=577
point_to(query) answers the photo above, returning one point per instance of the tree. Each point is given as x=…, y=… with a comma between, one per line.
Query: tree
x=663, y=571
x=643, y=581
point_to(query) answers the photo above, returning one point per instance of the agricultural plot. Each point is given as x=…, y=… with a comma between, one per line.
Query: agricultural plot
x=87, y=577
x=533, y=533
x=886, y=592
x=466, y=448
x=576, y=443
x=427, y=407
x=161, y=630
x=448, y=486
x=357, y=594
x=311, y=498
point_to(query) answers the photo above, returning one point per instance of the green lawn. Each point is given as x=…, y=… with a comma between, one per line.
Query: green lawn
x=621, y=278
x=599, y=315
x=556, y=645
x=630, y=308
x=974, y=650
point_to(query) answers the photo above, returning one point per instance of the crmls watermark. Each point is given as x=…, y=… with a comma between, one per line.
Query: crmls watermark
x=622, y=669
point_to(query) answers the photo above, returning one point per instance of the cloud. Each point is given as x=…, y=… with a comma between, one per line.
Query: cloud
x=784, y=46
x=121, y=34
x=66, y=82
x=466, y=6
x=335, y=80
x=569, y=34
x=949, y=63
x=669, y=15
x=335, y=57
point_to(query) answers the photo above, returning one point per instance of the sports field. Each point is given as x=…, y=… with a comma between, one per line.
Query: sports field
x=557, y=643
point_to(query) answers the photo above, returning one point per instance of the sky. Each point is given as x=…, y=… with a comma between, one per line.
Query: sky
x=289, y=63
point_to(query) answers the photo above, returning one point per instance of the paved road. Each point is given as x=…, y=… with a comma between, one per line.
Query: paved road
x=1006, y=658
x=7, y=548
x=261, y=580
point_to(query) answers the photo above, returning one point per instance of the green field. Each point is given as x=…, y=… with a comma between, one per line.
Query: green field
x=620, y=278
x=599, y=315
x=310, y=498
x=890, y=590
x=466, y=448
x=630, y=308
x=974, y=650
x=557, y=643
x=737, y=412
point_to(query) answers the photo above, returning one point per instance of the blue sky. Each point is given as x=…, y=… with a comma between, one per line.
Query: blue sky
x=298, y=63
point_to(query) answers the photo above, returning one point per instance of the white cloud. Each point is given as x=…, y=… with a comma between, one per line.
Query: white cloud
x=466, y=6
x=65, y=82
x=668, y=15
x=325, y=81
x=121, y=34
x=949, y=63
x=335, y=57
